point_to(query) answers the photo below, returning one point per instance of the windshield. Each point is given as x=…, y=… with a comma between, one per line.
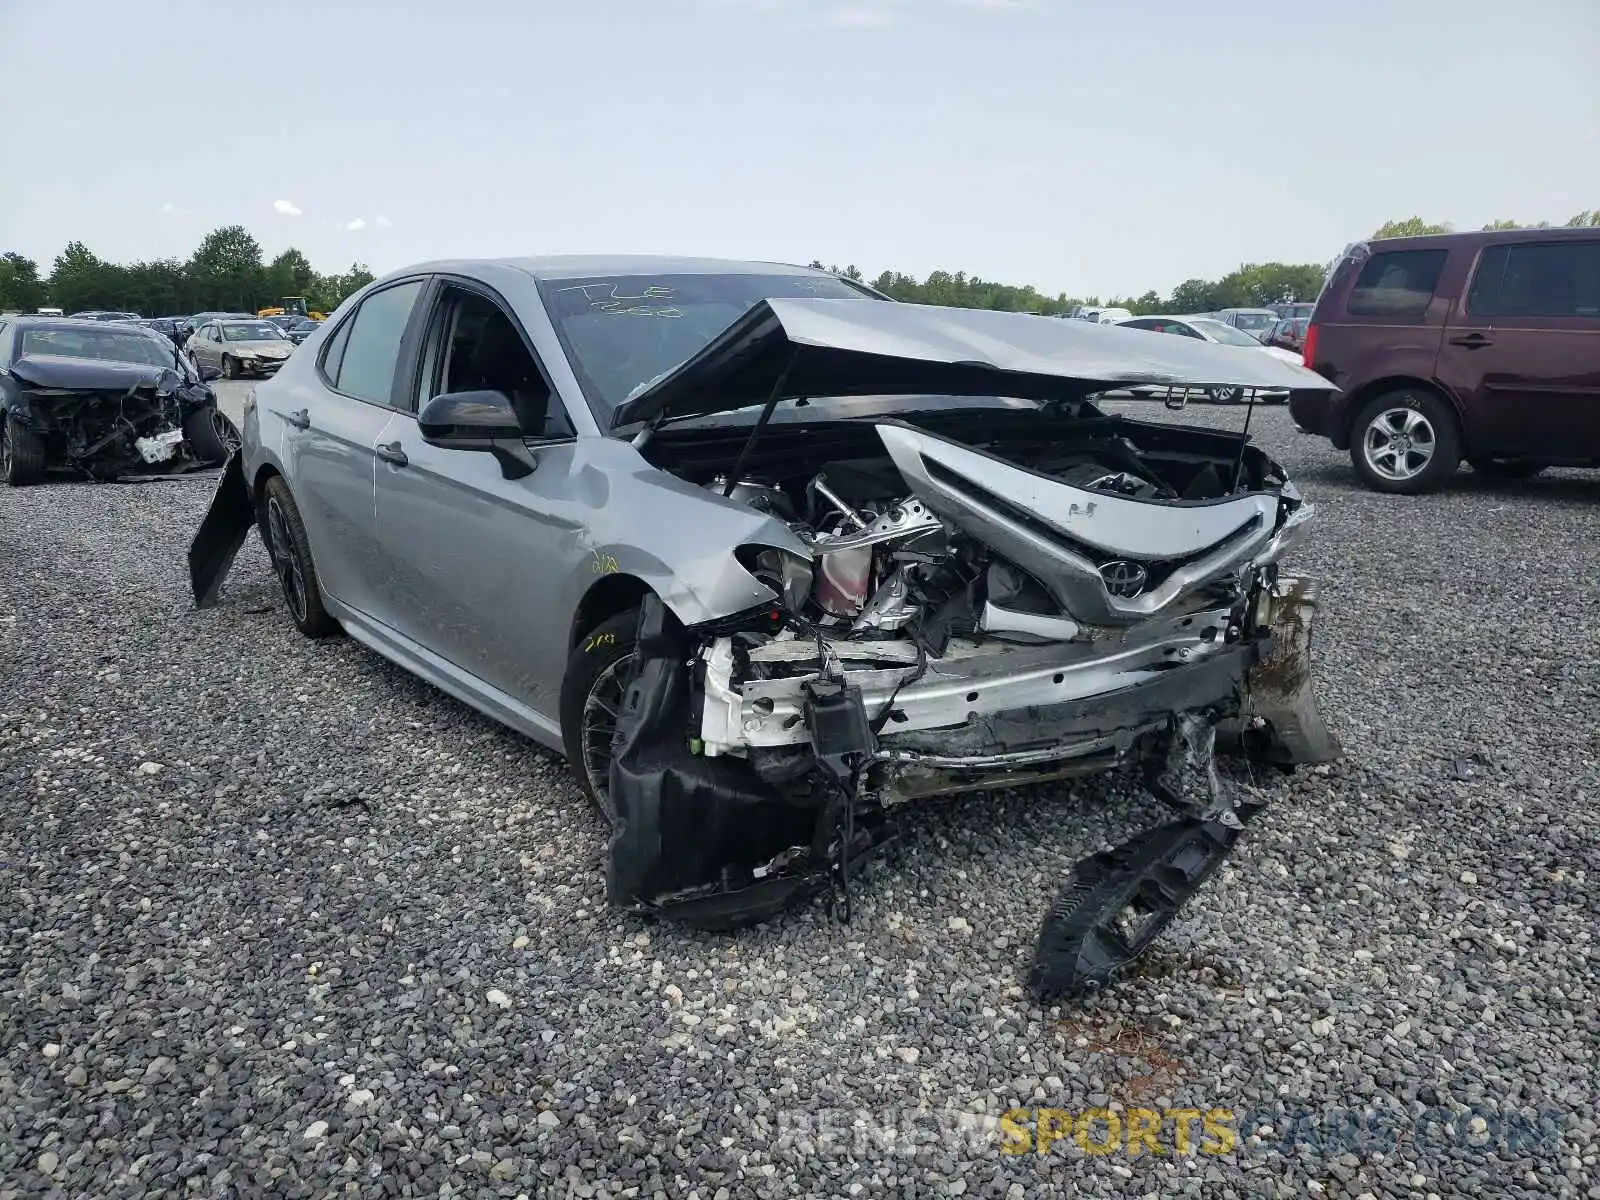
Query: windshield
x=106, y=345
x=1253, y=320
x=1226, y=334
x=254, y=331
x=623, y=332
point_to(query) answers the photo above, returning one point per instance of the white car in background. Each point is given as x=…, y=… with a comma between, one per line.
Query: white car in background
x=1208, y=329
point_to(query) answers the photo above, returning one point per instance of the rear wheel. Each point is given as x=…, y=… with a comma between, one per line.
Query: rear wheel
x=21, y=454
x=1502, y=468
x=1406, y=443
x=591, y=704
x=285, y=535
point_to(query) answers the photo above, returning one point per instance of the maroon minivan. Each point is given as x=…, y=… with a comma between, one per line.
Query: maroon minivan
x=1482, y=346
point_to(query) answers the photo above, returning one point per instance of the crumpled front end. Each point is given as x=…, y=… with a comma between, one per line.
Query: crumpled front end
x=969, y=619
x=109, y=432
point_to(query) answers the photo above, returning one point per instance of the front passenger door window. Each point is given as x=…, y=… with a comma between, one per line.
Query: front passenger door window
x=474, y=345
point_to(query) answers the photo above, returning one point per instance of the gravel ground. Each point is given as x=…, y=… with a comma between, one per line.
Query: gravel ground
x=280, y=920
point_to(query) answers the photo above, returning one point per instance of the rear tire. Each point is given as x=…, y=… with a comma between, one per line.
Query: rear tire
x=1500, y=468
x=21, y=454
x=1405, y=443
x=287, y=546
x=591, y=702
x=210, y=435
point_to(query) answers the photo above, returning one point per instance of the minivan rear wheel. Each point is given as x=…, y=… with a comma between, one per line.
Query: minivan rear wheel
x=1406, y=443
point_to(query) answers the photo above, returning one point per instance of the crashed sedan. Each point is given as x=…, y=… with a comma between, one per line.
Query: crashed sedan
x=103, y=400
x=766, y=555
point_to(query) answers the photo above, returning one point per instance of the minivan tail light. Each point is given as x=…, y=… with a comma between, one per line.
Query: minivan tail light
x=1308, y=349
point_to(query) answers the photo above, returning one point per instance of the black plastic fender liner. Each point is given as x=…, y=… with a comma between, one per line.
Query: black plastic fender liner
x=1116, y=903
x=221, y=534
x=691, y=831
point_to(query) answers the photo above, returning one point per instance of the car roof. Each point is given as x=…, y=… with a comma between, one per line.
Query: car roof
x=1479, y=236
x=575, y=266
x=35, y=321
x=1267, y=311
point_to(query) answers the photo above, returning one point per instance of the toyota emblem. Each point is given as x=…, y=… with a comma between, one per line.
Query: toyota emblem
x=1124, y=579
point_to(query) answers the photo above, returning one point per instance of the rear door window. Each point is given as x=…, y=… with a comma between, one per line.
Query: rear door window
x=1396, y=283
x=371, y=350
x=1541, y=279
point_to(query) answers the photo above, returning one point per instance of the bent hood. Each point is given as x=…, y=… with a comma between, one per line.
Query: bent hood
x=90, y=374
x=814, y=347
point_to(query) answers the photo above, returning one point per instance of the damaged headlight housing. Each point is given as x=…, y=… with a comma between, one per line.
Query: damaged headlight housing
x=786, y=573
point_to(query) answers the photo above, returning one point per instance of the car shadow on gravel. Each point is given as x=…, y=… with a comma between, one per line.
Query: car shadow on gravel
x=1582, y=487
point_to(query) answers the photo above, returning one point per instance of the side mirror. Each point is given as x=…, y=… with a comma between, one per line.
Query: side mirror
x=207, y=374
x=481, y=420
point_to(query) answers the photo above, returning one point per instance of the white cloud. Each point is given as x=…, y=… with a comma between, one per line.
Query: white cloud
x=287, y=208
x=356, y=223
x=383, y=222
x=999, y=6
x=169, y=207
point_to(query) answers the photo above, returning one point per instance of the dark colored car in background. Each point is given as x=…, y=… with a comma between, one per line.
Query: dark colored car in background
x=166, y=326
x=104, y=400
x=1288, y=334
x=1479, y=346
x=295, y=327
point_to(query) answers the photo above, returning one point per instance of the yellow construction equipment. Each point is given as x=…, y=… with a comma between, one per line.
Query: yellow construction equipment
x=291, y=304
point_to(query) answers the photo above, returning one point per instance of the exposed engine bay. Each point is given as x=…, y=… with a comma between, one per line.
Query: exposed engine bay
x=140, y=427
x=1040, y=599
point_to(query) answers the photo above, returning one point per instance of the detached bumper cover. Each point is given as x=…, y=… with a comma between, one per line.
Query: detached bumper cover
x=221, y=534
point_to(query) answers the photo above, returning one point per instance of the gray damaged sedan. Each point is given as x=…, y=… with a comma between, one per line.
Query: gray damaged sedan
x=765, y=555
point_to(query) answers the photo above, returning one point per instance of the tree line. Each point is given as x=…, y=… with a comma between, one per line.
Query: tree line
x=225, y=272
x=1252, y=285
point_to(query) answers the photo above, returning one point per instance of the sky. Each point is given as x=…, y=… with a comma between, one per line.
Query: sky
x=1086, y=148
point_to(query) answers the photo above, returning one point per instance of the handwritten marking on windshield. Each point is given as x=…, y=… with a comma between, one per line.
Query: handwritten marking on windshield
x=611, y=291
x=637, y=310
x=610, y=298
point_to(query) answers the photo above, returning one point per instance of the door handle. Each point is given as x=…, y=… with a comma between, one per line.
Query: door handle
x=300, y=419
x=1472, y=340
x=391, y=453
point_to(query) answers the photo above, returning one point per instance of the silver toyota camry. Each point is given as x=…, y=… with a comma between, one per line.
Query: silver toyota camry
x=766, y=555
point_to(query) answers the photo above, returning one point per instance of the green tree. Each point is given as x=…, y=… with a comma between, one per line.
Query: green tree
x=1193, y=296
x=227, y=269
x=290, y=274
x=327, y=292
x=1587, y=219
x=1409, y=227
x=20, y=285
x=80, y=280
